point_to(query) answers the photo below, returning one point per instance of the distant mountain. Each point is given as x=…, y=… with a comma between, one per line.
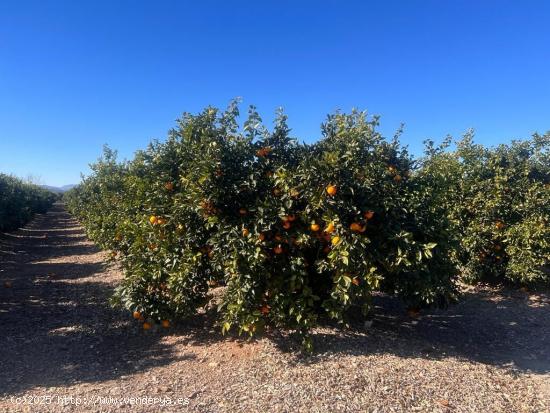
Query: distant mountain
x=58, y=189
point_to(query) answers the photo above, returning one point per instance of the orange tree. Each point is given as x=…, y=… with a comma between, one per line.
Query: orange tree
x=498, y=201
x=294, y=232
x=19, y=200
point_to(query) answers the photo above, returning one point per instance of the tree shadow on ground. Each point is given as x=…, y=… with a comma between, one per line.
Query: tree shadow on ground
x=62, y=324
x=57, y=325
x=48, y=235
x=498, y=327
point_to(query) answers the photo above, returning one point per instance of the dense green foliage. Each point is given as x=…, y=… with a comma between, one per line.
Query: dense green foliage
x=19, y=200
x=295, y=232
x=498, y=201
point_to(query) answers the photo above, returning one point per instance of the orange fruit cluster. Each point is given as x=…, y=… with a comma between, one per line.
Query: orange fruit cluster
x=357, y=227
x=147, y=325
x=263, y=152
x=155, y=220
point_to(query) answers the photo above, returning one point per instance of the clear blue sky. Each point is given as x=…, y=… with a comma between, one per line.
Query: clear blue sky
x=77, y=74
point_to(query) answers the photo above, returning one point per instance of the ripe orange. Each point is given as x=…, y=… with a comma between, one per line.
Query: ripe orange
x=326, y=250
x=136, y=315
x=331, y=190
x=291, y=218
x=369, y=214
x=397, y=178
x=261, y=237
x=355, y=281
x=265, y=309
x=263, y=151
x=146, y=326
x=169, y=186
x=330, y=228
x=243, y=211
x=165, y=323
x=315, y=227
x=356, y=227
x=153, y=219
x=392, y=169
x=335, y=240
x=245, y=232
x=499, y=224
x=287, y=225
x=278, y=249
x=7, y=284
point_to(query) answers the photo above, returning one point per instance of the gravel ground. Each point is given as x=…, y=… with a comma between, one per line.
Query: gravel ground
x=64, y=349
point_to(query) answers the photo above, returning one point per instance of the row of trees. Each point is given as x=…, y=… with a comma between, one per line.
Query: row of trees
x=297, y=232
x=498, y=202
x=20, y=200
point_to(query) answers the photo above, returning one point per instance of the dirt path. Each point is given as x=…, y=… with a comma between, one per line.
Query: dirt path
x=63, y=348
